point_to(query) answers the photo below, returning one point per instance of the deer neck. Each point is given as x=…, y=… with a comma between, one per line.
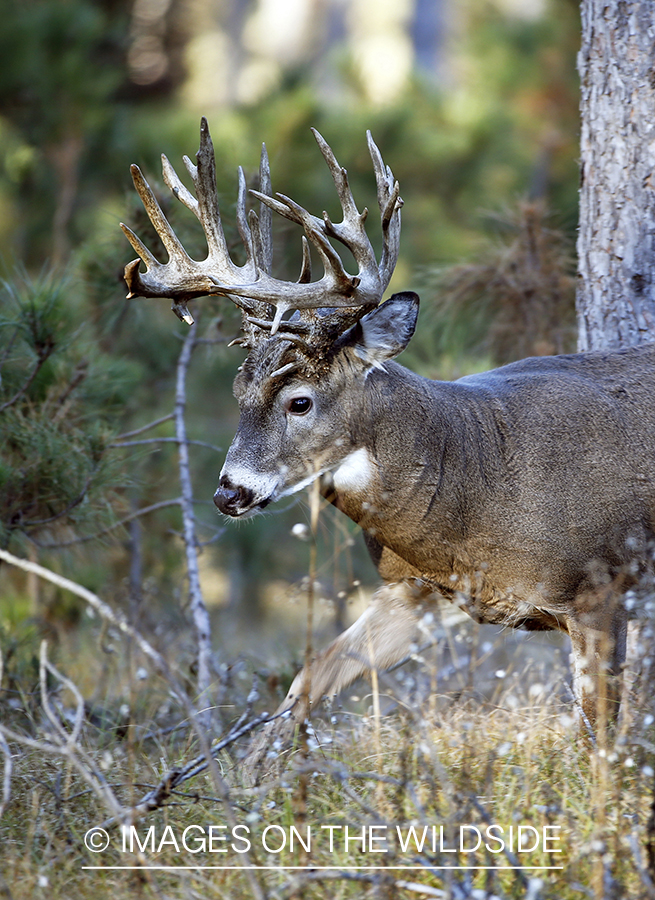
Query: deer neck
x=418, y=458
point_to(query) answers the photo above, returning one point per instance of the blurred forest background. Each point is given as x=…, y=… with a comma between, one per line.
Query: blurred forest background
x=474, y=105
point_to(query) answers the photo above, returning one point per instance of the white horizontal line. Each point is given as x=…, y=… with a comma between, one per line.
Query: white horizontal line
x=425, y=869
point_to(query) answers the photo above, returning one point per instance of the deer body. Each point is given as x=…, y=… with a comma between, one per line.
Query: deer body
x=525, y=494
x=507, y=485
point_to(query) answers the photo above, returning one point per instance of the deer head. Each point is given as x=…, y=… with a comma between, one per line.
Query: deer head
x=307, y=341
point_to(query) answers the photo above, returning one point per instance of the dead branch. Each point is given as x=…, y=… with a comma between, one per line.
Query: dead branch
x=147, y=427
x=115, y=618
x=162, y=440
x=62, y=743
x=90, y=537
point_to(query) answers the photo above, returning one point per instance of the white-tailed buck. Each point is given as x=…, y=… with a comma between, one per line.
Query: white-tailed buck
x=528, y=490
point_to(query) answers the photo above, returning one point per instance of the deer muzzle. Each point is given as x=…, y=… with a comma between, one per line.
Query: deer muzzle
x=237, y=500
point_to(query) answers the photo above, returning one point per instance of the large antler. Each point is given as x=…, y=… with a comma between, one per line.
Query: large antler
x=250, y=285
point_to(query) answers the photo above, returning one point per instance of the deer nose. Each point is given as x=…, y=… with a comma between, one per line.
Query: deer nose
x=232, y=499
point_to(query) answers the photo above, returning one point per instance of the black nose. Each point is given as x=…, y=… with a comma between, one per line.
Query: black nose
x=232, y=499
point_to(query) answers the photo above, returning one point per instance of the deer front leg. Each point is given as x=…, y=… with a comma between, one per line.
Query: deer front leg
x=380, y=638
x=598, y=632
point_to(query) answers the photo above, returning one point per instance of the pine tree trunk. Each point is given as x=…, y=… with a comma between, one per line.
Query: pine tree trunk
x=616, y=241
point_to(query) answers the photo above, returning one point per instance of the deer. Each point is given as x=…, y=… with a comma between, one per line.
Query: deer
x=523, y=494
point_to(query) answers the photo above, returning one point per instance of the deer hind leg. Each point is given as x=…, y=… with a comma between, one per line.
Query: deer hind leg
x=380, y=638
x=598, y=632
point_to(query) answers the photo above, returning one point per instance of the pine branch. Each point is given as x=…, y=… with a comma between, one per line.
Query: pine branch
x=44, y=353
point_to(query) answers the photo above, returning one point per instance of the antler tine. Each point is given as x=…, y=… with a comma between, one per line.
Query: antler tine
x=243, y=226
x=161, y=224
x=390, y=204
x=171, y=243
x=388, y=187
x=179, y=190
x=306, y=268
x=261, y=226
x=204, y=179
x=265, y=214
x=340, y=179
x=351, y=231
x=257, y=239
x=183, y=278
x=139, y=247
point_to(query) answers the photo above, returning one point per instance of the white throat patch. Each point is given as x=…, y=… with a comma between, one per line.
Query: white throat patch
x=355, y=472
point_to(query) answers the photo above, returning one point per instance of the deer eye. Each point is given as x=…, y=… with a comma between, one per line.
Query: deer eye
x=299, y=406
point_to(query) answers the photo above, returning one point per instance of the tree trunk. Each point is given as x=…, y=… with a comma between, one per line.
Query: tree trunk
x=616, y=241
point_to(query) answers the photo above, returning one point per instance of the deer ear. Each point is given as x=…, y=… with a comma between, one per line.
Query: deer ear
x=385, y=332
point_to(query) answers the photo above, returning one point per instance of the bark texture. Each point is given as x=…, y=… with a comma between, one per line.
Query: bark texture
x=616, y=241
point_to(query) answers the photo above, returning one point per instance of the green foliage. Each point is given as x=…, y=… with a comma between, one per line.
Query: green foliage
x=58, y=85
x=36, y=73
x=58, y=402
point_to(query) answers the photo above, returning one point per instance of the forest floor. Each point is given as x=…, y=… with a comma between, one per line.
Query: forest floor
x=463, y=775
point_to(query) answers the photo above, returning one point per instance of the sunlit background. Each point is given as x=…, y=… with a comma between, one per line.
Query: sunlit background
x=83, y=81
x=236, y=53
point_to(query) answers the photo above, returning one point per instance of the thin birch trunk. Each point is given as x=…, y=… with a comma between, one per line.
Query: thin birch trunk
x=616, y=240
x=198, y=608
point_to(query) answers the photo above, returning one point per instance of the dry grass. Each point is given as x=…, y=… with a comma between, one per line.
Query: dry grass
x=457, y=742
x=517, y=299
